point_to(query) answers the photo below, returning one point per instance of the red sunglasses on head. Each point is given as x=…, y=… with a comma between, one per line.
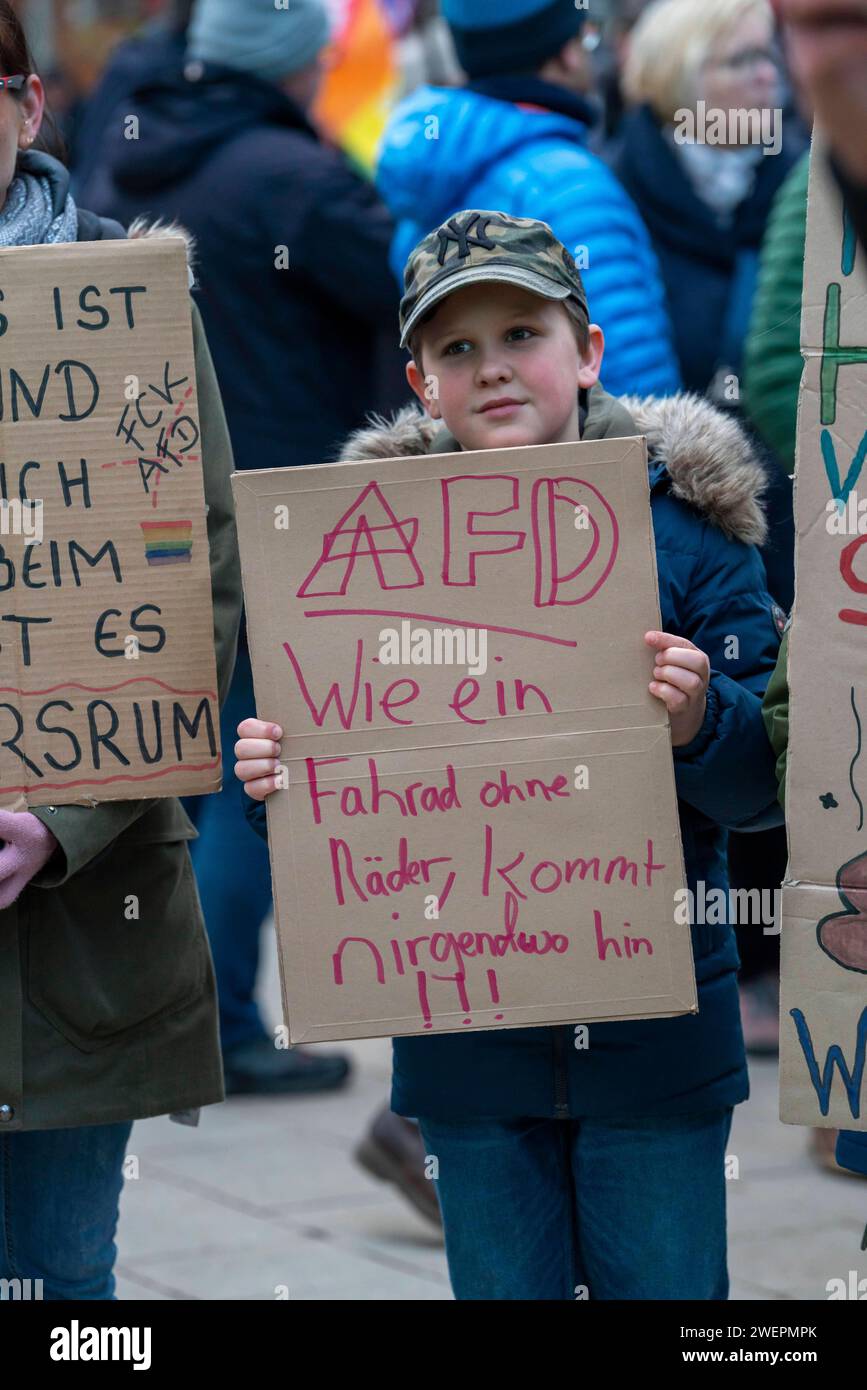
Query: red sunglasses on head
x=13, y=83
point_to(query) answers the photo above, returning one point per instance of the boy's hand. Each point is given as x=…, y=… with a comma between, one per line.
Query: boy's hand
x=680, y=679
x=257, y=757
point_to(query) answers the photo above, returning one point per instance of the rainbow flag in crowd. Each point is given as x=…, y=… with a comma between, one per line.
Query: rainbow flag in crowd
x=168, y=542
x=361, y=84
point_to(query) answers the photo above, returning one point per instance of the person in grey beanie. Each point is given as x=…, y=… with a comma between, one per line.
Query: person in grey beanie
x=296, y=294
x=264, y=37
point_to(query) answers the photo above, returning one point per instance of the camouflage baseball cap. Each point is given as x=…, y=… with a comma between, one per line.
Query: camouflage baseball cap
x=479, y=245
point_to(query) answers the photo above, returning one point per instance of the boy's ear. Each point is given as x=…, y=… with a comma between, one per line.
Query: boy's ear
x=419, y=386
x=590, y=362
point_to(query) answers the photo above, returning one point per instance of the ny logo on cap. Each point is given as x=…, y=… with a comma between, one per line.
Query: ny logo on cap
x=465, y=236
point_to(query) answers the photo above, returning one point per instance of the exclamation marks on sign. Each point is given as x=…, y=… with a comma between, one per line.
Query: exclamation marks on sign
x=459, y=980
x=495, y=993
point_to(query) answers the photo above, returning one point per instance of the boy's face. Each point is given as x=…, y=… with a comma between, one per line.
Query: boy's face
x=492, y=341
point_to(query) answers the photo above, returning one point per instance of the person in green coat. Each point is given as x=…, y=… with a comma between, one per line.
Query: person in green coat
x=102, y=1021
x=772, y=352
x=771, y=375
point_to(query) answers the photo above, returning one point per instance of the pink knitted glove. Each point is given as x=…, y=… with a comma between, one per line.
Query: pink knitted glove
x=25, y=846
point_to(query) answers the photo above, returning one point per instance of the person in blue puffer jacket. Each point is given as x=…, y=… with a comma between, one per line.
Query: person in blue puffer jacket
x=515, y=138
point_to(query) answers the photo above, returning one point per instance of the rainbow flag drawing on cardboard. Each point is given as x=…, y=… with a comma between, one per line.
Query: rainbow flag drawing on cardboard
x=168, y=542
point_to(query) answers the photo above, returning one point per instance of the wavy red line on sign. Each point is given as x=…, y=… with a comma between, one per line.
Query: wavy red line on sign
x=104, y=689
x=434, y=618
x=118, y=777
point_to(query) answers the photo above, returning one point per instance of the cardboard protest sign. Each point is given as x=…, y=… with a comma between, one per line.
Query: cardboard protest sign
x=108, y=684
x=478, y=824
x=824, y=924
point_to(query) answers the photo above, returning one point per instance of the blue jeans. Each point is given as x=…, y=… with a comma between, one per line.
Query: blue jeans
x=234, y=876
x=59, y=1193
x=545, y=1209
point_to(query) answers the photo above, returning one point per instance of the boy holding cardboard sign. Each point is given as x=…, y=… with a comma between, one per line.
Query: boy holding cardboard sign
x=619, y=1146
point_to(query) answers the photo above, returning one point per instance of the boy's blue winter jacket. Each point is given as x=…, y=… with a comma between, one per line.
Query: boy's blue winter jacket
x=519, y=145
x=705, y=484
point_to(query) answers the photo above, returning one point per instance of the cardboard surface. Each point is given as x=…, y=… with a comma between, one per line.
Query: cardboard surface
x=107, y=672
x=824, y=1024
x=467, y=838
x=824, y=928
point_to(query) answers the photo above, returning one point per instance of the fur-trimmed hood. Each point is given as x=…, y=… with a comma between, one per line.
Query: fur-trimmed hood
x=707, y=455
x=140, y=229
x=710, y=460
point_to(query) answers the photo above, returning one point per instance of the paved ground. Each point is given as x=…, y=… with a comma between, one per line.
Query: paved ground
x=263, y=1200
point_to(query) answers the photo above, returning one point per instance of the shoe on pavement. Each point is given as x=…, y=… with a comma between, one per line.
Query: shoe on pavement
x=393, y=1151
x=823, y=1151
x=823, y=1148
x=258, y=1068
